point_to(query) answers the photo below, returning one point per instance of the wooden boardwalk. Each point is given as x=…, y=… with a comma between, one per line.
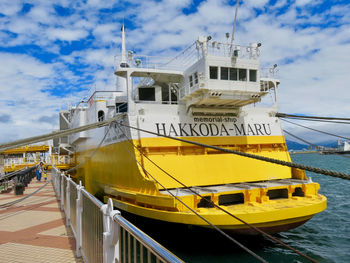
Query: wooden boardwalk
x=34, y=230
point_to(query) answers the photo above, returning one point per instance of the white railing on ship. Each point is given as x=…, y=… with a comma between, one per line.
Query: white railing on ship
x=101, y=233
x=181, y=61
x=269, y=72
x=188, y=56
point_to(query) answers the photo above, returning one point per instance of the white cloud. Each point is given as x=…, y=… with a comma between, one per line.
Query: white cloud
x=42, y=14
x=23, y=65
x=106, y=32
x=255, y=3
x=290, y=34
x=307, y=2
x=9, y=8
x=66, y=34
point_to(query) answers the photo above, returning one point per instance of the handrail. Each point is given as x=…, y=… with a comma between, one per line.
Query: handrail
x=93, y=199
x=147, y=241
x=113, y=223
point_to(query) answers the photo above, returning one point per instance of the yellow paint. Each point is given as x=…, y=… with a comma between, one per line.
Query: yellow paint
x=113, y=172
x=270, y=214
x=15, y=167
x=113, y=166
x=27, y=149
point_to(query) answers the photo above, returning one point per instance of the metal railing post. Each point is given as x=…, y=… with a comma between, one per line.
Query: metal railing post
x=54, y=180
x=110, y=233
x=79, y=212
x=62, y=192
x=56, y=186
x=68, y=201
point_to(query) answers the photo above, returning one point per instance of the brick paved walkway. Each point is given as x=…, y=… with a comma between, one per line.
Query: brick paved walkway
x=34, y=230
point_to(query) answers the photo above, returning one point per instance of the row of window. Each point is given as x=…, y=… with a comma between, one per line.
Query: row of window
x=233, y=73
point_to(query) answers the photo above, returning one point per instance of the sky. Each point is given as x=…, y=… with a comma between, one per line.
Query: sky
x=56, y=52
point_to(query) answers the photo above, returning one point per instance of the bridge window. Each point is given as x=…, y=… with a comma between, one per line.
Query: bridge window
x=213, y=72
x=252, y=75
x=233, y=74
x=224, y=73
x=147, y=94
x=100, y=115
x=242, y=74
x=195, y=78
x=191, y=80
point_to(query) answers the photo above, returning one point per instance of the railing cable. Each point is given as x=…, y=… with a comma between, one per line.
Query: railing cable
x=217, y=206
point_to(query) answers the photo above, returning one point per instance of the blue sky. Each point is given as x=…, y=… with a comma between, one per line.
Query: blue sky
x=56, y=51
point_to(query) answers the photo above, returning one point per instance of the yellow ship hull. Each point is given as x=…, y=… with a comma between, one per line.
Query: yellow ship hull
x=120, y=172
x=271, y=218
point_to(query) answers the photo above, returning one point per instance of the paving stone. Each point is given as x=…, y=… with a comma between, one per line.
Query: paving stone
x=12, y=252
x=33, y=231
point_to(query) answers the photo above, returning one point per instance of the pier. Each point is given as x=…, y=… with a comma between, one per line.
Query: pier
x=34, y=229
x=59, y=221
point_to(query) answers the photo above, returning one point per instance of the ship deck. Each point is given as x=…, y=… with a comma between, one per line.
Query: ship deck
x=233, y=187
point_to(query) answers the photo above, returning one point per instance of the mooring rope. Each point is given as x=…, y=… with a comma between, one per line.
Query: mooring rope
x=217, y=206
x=316, y=120
x=301, y=139
x=285, y=115
x=313, y=129
x=58, y=134
x=92, y=154
x=253, y=156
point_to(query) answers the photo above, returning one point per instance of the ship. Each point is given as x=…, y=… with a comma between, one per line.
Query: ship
x=343, y=148
x=212, y=93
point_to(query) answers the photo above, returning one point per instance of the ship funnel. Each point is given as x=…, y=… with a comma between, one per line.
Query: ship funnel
x=123, y=63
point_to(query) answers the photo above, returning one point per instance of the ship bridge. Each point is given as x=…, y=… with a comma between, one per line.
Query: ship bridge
x=206, y=74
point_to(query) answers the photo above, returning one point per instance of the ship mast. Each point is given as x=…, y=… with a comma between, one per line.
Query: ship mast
x=234, y=27
x=121, y=82
x=123, y=62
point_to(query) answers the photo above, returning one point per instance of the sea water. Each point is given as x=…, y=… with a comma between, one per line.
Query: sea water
x=326, y=237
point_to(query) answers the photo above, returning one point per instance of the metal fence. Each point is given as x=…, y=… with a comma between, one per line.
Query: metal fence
x=101, y=233
x=17, y=180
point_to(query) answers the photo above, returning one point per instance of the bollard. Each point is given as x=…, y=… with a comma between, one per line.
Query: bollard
x=19, y=187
